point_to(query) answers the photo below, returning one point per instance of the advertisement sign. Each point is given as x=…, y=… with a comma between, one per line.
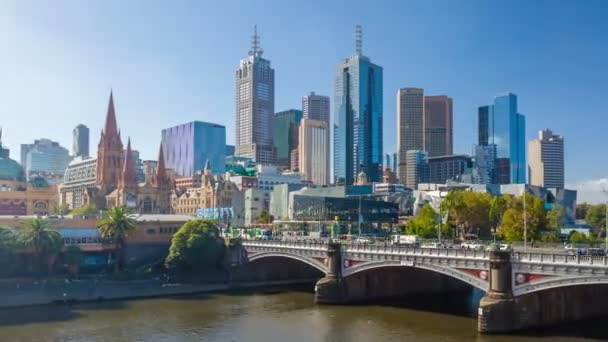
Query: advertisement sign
x=224, y=214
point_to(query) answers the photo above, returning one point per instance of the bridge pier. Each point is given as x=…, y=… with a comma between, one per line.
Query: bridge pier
x=497, y=308
x=330, y=289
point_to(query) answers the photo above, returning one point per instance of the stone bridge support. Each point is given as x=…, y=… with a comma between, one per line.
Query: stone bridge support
x=330, y=289
x=502, y=312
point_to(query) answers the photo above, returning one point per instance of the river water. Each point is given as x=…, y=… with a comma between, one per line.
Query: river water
x=269, y=315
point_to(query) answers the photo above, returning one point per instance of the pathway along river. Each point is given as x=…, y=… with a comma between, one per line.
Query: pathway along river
x=270, y=315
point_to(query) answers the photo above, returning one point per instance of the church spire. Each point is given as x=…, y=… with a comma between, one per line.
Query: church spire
x=111, y=128
x=128, y=177
x=161, y=172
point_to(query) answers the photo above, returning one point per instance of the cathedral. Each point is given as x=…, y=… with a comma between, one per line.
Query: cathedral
x=115, y=178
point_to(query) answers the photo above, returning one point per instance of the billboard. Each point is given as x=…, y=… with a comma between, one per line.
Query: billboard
x=223, y=214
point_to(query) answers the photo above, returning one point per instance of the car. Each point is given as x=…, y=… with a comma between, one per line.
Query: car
x=504, y=247
x=433, y=245
x=472, y=245
x=364, y=240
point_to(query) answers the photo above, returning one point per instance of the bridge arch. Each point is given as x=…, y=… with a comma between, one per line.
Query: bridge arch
x=310, y=261
x=560, y=282
x=447, y=271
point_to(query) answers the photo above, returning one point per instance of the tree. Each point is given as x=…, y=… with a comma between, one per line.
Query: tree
x=116, y=226
x=577, y=237
x=87, y=209
x=498, y=205
x=550, y=237
x=556, y=217
x=265, y=218
x=581, y=210
x=63, y=209
x=468, y=210
x=8, y=246
x=596, y=217
x=512, y=224
x=424, y=224
x=197, y=245
x=44, y=241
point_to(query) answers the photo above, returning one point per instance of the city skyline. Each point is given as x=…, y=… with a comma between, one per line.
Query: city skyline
x=548, y=106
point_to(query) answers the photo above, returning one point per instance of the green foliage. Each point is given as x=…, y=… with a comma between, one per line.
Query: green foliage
x=38, y=237
x=8, y=247
x=550, y=237
x=468, y=210
x=265, y=218
x=197, y=245
x=581, y=210
x=88, y=209
x=556, y=217
x=424, y=224
x=512, y=223
x=577, y=237
x=72, y=256
x=63, y=209
x=116, y=226
x=596, y=216
x=498, y=205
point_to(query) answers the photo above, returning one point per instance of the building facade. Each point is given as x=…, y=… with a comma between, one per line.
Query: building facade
x=255, y=106
x=285, y=126
x=502, y=125
x=315, y=107
x=410, y=126
x=314, y=151
x=417, y=168
x=448, y=168
x=546, y=160
x=358, y=118
x=187, y=147
x=45, y=158
x=80, y=141
x=438, y=125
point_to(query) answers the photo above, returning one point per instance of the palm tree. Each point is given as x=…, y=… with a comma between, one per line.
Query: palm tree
x=41, y=239
x=116, y=226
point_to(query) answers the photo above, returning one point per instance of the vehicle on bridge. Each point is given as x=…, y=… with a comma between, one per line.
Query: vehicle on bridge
x=406, y=240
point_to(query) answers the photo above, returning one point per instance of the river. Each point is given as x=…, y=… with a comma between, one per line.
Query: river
x=270, y=315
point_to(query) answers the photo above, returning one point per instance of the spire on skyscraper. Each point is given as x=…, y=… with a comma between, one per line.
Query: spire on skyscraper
x=256, y=50
x=358, y=40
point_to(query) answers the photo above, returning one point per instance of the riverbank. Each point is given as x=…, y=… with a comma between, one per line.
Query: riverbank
x=14, y=295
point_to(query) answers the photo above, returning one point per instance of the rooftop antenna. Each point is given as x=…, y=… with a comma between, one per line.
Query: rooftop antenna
x=358, y=40
x=256, y=50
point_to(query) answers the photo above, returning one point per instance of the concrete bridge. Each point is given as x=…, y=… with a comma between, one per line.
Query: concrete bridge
x=523, y=290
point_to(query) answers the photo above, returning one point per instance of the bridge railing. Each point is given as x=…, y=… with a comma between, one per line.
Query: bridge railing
x=438, y=252
x=549, y=258
x=312, y=244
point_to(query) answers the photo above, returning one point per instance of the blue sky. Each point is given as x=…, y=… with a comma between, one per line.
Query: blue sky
x=170, y=62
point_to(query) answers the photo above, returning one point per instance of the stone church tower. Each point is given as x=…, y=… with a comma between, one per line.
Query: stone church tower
x=110, y=155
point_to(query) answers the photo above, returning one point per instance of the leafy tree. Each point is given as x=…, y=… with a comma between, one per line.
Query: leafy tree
x=44, y=241
x=424, y=224
x=550, y=237
x=8, y=246
x=577, y=237
x=512, y=223
x=581, y=210
x=116, y=226
x=63, y=209
x=468, y=210
x=87, y=209
x=197, y=245
x=511, y=226
x=265, y=218
x=556, y=217
x=498, y=205
x=596, y=217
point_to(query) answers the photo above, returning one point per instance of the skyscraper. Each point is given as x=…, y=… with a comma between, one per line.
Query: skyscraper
x=255, y=105
x=314, y=150
x=358, y=117
x=417, y=172
x=546, y=159
x=80, y=144
x=315, y=107
x=410, y=126
x=285, y=126
x=501, y=125
x=46, y=159
x=438, y=125
x=187, y=147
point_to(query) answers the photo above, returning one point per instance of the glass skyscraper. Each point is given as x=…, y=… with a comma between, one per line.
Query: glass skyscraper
x=285, y=134
x=500, y=125
x=187, y=147
x=358, y=119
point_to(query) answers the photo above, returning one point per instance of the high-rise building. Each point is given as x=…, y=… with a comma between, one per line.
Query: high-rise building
x=410, y=126
x=501, y=125
x=358, y=118
x=187, y=147
x=45, y=158
x=229, y=150
x=485, y=164
x=546, y=159
x=417, y=172
x=448, y=168
x=285, y=125
x=314, y=151
x=315, y=107
x=255, y=106
x=438, y=125
x=80, y=144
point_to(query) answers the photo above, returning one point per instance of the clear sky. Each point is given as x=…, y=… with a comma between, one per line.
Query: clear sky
x=170, y=62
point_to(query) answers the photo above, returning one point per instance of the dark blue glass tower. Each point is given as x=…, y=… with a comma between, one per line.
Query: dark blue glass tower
x=358, y=118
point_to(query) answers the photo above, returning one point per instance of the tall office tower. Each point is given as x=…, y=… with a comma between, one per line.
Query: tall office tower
x=45, y=158
x=546, y=158
x=80, y=144
x=501, y=125
x=438, y=125
x=285, y=126
x=189, y=146
x=410, y=125
x=315, y=107
x=255, y=106
x=314, y=151
x=417, y=168
x=358, y=118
